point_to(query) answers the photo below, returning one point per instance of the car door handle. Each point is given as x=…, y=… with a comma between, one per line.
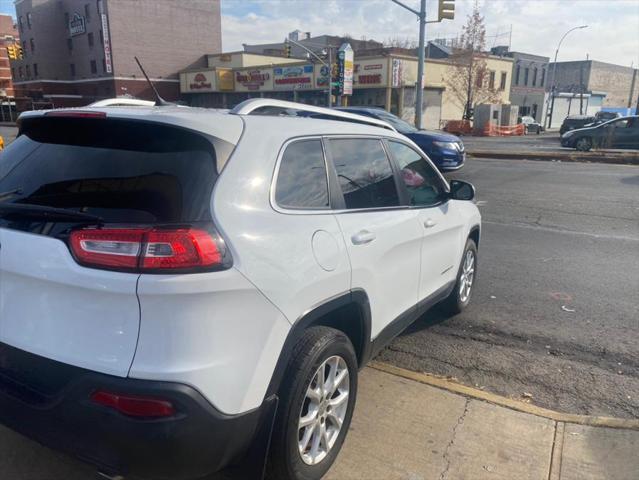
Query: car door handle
x=430, y=223
x=362, y=237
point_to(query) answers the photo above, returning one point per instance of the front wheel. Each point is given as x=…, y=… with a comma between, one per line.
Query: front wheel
x=583, y=144
x=459, y=298
x=317, y=400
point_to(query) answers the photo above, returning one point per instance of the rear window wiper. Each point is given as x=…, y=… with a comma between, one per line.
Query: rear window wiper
x=42, y=212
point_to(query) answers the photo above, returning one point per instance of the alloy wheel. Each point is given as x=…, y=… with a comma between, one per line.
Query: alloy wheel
x=467, y=276
x=323, y=410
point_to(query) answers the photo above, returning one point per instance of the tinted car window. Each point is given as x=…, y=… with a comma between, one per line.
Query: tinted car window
x=422, y=182
x=301, y=181
x=122, y=171
x=364, y=173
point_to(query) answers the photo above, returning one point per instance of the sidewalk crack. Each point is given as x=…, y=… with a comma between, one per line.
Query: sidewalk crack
x=460, y=421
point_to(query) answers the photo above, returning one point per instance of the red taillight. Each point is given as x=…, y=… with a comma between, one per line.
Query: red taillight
x=134, y=406
x=147, y=249
x=75, y=114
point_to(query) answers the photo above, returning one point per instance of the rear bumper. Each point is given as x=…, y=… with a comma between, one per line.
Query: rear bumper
x=49, y=402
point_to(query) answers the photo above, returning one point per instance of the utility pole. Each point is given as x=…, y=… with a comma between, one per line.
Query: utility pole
x=446, y=10
x=581, y=90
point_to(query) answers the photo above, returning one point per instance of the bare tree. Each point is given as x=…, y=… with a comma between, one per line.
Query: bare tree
x=401, y=42
x=469, y=81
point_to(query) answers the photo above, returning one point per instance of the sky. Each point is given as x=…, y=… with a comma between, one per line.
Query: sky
x=537, y=25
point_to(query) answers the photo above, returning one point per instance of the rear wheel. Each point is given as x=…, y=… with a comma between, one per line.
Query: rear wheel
x=459, y=298
x=317, y=400
x=584, y=144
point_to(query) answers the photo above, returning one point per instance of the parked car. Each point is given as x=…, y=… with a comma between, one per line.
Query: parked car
x=445, y=150
x=622, y=132
x=172, y=303
x=601, y=117
x=575, y=121
x=532, y=125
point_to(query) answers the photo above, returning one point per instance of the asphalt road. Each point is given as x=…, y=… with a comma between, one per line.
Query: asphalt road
x=555, y=313
x=545, y=142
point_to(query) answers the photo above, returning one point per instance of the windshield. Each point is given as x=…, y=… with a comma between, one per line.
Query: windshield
x=400, y=125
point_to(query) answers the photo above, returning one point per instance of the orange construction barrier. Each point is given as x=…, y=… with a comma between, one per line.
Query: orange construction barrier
x=458, y=127
x=492, y=130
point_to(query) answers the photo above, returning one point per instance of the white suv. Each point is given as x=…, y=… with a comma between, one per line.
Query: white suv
x=181, y=288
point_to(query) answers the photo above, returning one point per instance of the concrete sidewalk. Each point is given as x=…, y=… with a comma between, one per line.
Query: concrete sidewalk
x=406, y=429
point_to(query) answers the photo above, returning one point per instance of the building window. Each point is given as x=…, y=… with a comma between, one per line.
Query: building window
x=535, y=77
x=20, y=72
x=27, y=69
x=35, y=69
x=20, y=24
x=90, y=38
x=517, y=72
x=101, y=37
x=480, y=79
x=29, y=20
x=66, y=19
x=24, y=47
x=87, y=11
x=13, y=72
x=103, y=65
x=72, y=69
x=70, y=44
x=32, y=45
x=543, y=77
x=526, y=72
x=94, y=67
x=491, y=80
x=502, y=81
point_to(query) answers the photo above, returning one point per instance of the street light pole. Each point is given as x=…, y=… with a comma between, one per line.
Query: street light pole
x=419, y=96
x=551, y=98
x=329, y=48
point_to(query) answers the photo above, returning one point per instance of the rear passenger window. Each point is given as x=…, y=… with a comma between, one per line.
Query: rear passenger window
x=301, y=181
x=364, y=173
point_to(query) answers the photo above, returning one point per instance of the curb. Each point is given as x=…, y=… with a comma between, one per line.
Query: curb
x=595, y=157
x=454, y=387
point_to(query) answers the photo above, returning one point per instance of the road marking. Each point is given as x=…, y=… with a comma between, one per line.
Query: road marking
x=566, y=232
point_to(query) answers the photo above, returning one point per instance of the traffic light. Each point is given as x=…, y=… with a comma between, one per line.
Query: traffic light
x=287, y=50
x=19, y=52
x=11, y=52
x=446, y=10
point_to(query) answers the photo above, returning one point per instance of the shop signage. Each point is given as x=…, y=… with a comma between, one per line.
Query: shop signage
x=77, y=25
x=255, y=79
x=321, y=76
x=293, y=78
x=397, y=74
x=345, y=68
x=375, y=79
x=225, y=79
x=200, y=82
x=108, y=64
x=376, y=66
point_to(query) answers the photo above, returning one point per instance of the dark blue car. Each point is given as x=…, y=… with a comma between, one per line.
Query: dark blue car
x=446, y=151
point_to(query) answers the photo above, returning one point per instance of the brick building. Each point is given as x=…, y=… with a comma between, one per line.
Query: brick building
x=620, y=84
x=8, y=36
x=80, y=51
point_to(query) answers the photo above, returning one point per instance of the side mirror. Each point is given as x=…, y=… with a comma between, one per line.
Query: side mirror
x=460, y=190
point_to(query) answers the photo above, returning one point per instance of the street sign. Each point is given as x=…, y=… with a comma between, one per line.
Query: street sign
x=345, y=67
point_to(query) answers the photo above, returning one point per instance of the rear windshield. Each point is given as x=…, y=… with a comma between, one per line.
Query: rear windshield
x=123, y=171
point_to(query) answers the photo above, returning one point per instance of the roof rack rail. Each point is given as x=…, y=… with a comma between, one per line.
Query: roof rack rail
x=292, y=108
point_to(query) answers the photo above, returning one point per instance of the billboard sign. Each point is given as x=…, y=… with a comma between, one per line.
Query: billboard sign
x=293, y=77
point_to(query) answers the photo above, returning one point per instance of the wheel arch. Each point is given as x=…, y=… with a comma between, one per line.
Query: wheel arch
x=348, y=312
x=475, y=234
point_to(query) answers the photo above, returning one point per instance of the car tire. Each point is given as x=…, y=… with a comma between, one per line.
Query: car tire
x=583, y=144
x=459, y=298
x=291, y=456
